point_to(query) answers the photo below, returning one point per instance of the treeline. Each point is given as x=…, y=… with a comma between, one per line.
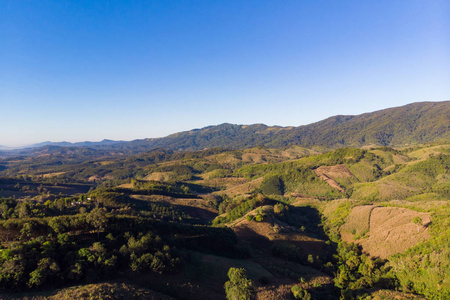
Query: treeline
x=54, y=251
x=57, y=259
x=238, y=207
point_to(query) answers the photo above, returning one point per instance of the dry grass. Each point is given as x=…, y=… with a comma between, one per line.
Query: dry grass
x=159, y=176
x=424, y=153
x=253, y=158
x=240, y=189
x=49, y=175
x=394, y=295
x=400, y=159
x=272, y=231
x=357, y=222
x=213, y=266
x=390, y=230
x=98, y=291
x=274, y=292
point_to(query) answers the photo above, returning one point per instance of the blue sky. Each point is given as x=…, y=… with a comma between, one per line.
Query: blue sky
x=123, y=70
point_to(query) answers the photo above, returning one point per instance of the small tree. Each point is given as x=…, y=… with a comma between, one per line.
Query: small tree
x=239, y=287
x=418, y=221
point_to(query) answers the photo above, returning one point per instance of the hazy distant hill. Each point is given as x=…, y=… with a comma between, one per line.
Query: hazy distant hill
x=409, y=124
x=104, y=142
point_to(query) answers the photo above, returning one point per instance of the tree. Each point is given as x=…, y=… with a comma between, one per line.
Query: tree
x=97, y=218
x=22, y=210
x=239, y=287
x=300, y=293
x=4, y=210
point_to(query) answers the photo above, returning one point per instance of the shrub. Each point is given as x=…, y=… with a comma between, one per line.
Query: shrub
x=239, y=287
x=300, y=293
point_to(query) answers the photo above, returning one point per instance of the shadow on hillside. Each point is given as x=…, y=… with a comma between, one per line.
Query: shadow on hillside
x=203, y=215
x=307, y=218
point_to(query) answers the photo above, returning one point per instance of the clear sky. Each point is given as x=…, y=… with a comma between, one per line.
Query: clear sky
x=123, y=70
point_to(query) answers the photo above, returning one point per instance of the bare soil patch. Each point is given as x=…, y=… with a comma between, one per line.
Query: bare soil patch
x=329, y=173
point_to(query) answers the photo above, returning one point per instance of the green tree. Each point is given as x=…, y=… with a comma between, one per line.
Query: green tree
x=300, y=293
x=22, y=210
x=97, y=218
x=239, y=287
x=4, y=210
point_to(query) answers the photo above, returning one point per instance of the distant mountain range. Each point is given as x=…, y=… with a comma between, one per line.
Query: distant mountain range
x=410, y=124
x=104, y=142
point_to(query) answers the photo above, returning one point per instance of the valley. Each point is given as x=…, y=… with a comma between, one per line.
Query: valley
x=367, y=222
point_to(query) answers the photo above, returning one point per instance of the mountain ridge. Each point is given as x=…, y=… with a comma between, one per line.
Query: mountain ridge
x=414, y=123
x=409, y=124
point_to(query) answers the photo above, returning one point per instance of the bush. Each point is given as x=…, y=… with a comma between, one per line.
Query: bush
x=300, y=293
x=239, y=287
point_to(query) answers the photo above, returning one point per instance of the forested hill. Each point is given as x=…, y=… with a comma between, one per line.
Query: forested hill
x=410, y=124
